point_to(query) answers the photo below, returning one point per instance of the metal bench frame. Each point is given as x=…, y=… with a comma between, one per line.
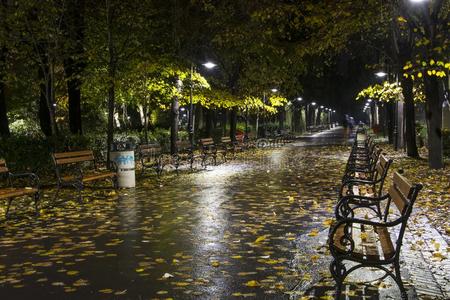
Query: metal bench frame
x=74, y=160
x=11, y=192
x=403, y=195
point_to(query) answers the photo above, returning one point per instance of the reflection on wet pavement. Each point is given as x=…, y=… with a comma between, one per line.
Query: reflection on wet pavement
x=252, y=227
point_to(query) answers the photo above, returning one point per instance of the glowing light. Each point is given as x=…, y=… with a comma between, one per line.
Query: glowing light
x=313, y=103
x=274, y=90
x=209, y=65
x=381, y=74
x=299, y=98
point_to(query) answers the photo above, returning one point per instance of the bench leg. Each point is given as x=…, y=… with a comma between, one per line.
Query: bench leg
x=58, y=188
x=8, y=205
x=338, y=271
x=399, y=281
x=115, y=182
x=37, y=197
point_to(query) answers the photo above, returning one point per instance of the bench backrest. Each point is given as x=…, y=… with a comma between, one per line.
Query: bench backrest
x=183, y=145
x=403, y=194
x=206, y=142
x=381, y=171
x=149, y=149
x=3, y=167
x=64, y=158
x=225, y=140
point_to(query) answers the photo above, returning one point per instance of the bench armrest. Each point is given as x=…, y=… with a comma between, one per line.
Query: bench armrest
x=347, y=239
x=352, y=182
x=343, y=209
x=33, y=179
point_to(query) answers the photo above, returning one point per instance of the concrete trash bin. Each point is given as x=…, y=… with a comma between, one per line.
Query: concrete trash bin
x=126, y=174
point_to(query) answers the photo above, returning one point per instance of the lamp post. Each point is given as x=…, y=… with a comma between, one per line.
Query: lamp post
x=191, y=120
x=308, y=111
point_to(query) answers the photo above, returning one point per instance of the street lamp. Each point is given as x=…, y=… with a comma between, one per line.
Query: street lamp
x=299, y=99
x=208, y=65
x=274, y=90
x=381, y=74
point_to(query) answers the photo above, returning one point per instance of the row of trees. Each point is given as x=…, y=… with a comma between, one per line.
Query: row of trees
x=66, y=61
x=418, y=58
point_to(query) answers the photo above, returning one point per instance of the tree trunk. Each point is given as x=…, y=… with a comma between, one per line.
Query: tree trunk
x=281, y=117
x=224, y=122
x=111, y=83
x=410, y=120
x=233, y=123
x=434, y=117
x=4, y=124
x=209, y=121
x=44, y=113
x=318, y=119
x=174, y=112
x=74, y=64
x=390, y=122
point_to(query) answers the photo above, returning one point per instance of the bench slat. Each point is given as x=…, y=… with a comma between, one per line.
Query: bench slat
x=72, y=160
x=402, y=184
x=16, y=192
x=369, y=243
x=386, y=242
x=72, y=154
x=398, y=198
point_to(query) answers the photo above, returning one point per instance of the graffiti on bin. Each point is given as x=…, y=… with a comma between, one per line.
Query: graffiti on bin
x=124, y=159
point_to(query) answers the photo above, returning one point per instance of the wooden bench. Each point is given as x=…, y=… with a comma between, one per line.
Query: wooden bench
x=368, y=243
x=209, y=149
x=367, y=184
x=151, y=157
x=76, y=168
x=228, y=145
x=185, y=154
x=362, y=167
x=10, y=191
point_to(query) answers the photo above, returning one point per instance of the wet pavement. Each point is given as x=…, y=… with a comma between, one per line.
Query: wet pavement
x=254, y=227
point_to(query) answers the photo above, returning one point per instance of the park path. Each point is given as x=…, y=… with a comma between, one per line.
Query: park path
x=254, y=227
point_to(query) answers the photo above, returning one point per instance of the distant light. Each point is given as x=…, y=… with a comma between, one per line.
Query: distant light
x=418, y=1
x=182, y=109
x=381, y=74
x=334, y=111
x=321, y=106
x=369, y=100
x=313, y=103
x=54, y=104
x=299, y=98
x=274, y=90
x=209, y=65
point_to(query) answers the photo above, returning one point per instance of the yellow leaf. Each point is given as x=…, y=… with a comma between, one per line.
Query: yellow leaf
x=402, y=20
x=106, y=291
x=181, y=283
x=364, y=236
x=215, y=264
x=260, y=239
x=313, y=232
x=72, y=273
x=252, y=283
x=327, y=222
